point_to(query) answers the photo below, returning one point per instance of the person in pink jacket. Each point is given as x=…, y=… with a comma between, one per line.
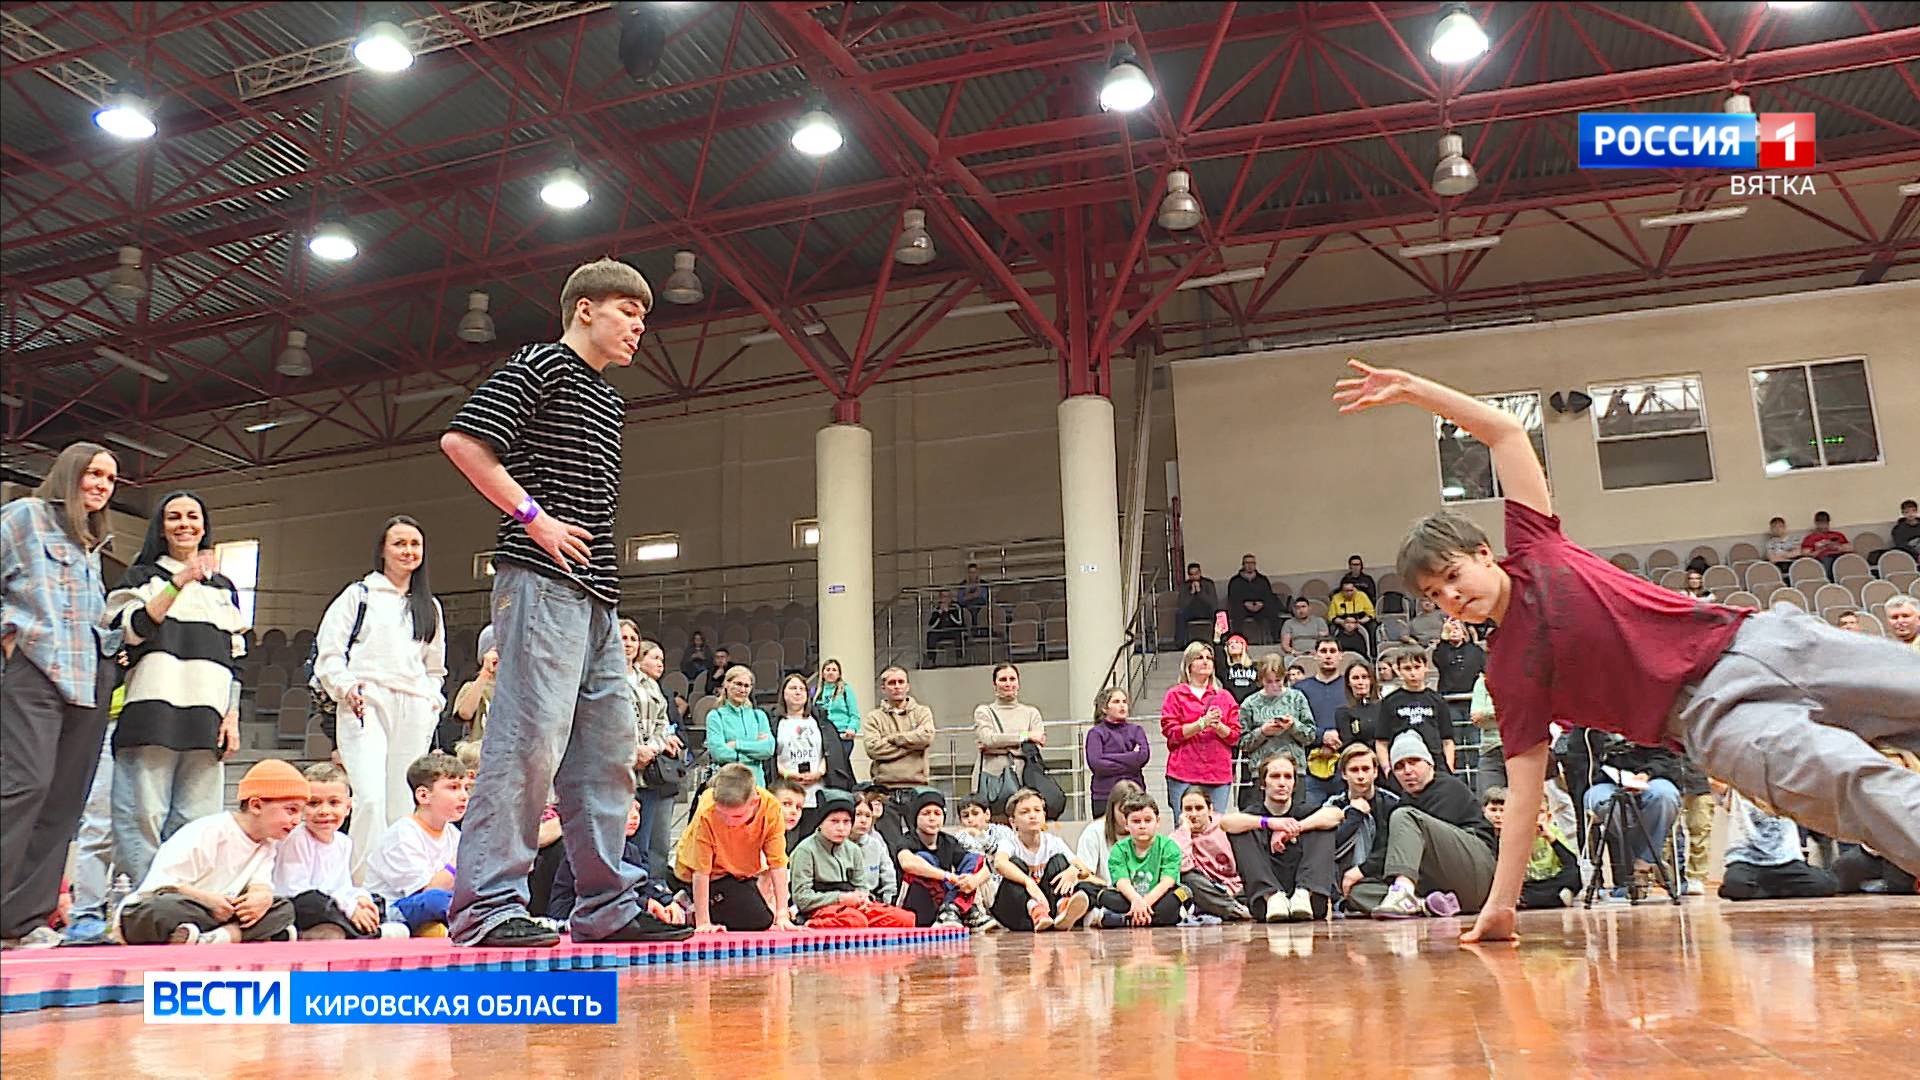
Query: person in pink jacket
x=1202, y=725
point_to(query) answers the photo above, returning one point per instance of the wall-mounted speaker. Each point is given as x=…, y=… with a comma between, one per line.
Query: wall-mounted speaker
x=1574, y=402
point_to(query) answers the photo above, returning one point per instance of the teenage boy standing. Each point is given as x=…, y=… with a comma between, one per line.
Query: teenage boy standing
x=541, y=440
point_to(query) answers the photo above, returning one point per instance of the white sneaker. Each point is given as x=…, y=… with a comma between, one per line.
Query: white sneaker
x=1277, y=908
x=394, y=930
x=1300, y=907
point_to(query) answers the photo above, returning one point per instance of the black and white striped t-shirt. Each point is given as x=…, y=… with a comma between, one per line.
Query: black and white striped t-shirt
x=555, y=423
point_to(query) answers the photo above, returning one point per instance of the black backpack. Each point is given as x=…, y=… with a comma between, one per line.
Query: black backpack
x=1033, y=774
x=324, y=706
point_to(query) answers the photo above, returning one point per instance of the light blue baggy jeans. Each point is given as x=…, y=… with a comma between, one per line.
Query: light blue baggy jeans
x=561, y=720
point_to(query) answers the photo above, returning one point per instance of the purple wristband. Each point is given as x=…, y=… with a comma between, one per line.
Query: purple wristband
x=526, y=511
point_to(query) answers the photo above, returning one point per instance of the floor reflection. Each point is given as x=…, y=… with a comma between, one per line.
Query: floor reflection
x=1812, y=988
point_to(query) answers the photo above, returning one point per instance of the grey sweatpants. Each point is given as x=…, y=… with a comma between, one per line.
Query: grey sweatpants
x=1786, y=717
x=1439, y=856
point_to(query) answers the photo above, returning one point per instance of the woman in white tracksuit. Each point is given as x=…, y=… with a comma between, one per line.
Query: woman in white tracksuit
x=389, y=680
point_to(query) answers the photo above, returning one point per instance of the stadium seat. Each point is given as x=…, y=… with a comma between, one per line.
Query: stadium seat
x=1877, y=592
x=1896, y=564
x=1851, y=565
x=1741, y=598
x=673, y=682
x=1721, y=579
x=1673, y=579
x=1023, y=638
x=1806, y=569
x=291, y=720
x=1740, y=553
x=1787, y=594
x=1627, y=561
x=1661, y=560
x=1833, y=596
x=1704, y=552
x=1762, y=576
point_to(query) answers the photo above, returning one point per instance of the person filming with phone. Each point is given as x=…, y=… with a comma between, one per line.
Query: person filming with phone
x=184, y=634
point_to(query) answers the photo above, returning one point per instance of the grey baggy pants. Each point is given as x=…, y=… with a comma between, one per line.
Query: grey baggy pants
x=1787, y=716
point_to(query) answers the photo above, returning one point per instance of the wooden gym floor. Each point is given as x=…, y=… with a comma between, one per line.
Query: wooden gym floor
x=1820, y=988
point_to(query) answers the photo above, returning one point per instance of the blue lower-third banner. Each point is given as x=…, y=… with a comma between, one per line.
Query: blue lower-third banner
x=382, y=997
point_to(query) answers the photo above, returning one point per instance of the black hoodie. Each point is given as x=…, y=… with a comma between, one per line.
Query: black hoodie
x=1452, y=801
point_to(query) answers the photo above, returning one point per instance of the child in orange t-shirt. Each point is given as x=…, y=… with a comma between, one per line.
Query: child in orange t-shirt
x=734, y=855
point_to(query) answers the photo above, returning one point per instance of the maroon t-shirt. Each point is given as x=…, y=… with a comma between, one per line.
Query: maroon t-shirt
x=1588, y=644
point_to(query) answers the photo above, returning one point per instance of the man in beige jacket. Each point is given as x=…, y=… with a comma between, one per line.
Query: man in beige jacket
x=896, y=737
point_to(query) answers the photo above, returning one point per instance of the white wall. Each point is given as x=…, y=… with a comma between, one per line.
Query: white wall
x=1269, y=466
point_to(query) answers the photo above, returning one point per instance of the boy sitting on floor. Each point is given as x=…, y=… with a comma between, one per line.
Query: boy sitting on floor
x=943, y=879
x=880, y=864
x=1764, y=861
x=212, y=881
x=563, y=896
x=831, y=884
x=1553, y=873
x=793, y=807
x=314, y=867
x=734, y=856
x=978, y=831
x=411, y=867
x=1145, y=868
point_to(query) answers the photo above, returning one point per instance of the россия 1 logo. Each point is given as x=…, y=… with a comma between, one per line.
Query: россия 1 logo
x=1705, y=141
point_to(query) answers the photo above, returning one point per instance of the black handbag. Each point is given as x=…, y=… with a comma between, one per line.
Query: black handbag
x=1033, y=774
x=664, y=774
x=994, y=789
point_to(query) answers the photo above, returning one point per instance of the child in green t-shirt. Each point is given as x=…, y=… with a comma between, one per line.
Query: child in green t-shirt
x=1145, y=870
x=1553, y=870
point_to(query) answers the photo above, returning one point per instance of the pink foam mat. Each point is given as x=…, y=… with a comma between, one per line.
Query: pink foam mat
x=68, y=977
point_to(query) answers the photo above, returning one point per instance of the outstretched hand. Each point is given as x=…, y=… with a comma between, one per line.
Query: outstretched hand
x=1375, y=386
x=1493, y=924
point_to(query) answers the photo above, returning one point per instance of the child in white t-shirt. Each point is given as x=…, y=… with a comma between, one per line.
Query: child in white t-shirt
x=1042, y=887
x=411, y=867
x=314, y=866
x=211, y=882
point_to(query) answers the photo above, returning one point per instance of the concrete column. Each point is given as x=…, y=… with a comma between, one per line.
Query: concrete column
x=843, y=478
x=1089, y=505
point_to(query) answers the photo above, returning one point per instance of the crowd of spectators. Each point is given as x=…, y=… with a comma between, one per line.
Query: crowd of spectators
x=1351, y=797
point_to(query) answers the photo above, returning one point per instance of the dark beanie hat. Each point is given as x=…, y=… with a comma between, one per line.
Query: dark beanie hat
x=925, y=797
x=829, y=800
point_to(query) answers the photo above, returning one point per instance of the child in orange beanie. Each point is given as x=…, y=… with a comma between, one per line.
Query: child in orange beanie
x=212, y=882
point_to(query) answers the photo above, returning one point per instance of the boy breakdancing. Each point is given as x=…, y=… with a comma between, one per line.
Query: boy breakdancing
x=1776, y=703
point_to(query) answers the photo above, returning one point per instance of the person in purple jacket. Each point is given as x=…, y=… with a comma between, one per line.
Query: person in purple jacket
x=1116, y=747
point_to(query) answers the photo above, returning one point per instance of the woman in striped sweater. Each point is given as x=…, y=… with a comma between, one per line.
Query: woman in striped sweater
x=181, y=719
